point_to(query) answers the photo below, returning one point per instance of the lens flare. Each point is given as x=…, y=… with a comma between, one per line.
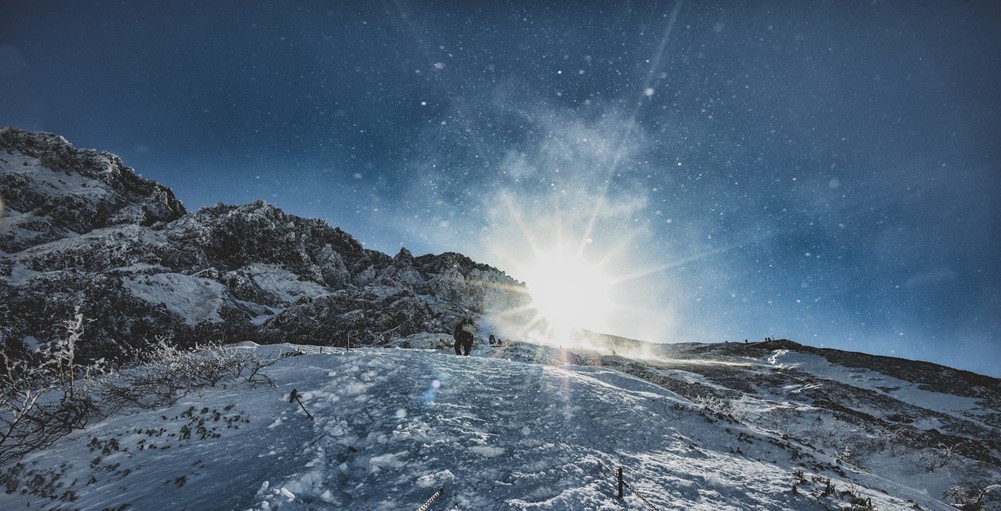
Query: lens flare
x=569, y=292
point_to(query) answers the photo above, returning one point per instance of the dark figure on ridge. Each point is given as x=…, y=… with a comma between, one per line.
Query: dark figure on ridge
x=463, y=335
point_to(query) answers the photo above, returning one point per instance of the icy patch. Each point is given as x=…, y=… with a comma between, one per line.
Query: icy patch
x=435, y=479
x=31, y=343
x=20, y=274
x=394, y=460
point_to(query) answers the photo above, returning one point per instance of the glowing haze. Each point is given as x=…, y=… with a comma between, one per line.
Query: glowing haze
x=822, y=171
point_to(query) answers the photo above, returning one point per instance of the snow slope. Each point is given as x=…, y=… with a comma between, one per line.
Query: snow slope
x=392, y=426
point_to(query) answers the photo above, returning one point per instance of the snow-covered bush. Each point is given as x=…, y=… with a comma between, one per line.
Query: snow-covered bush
x=48, y=395
x=42, y=397
x=163, y=373
x=935, y=457
x=975, y=497
x=721, y=408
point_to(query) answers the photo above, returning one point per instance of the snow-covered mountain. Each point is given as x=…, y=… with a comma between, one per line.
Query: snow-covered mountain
x=764, y=425
x=81, y=230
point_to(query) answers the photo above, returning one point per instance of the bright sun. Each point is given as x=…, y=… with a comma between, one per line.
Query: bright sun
x=569, y=292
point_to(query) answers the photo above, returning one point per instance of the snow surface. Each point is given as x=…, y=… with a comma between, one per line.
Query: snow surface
x=392, y=426
x=904, y=391
x=283, y=284
x=194, y=299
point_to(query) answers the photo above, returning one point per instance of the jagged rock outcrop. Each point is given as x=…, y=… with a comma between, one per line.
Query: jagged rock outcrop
x=53, y=190
x=83, y=231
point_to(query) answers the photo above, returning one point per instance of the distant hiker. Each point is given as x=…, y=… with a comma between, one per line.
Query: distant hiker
x=493, y=340
x=463, y=335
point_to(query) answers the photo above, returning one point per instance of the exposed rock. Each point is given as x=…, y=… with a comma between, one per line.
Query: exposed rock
x=82, y=230
x=53, y=190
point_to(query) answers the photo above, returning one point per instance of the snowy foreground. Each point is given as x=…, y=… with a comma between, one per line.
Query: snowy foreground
x=393, y=426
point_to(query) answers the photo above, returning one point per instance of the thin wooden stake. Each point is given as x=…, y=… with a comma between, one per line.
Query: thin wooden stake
x=294, y=396
x=619, y=475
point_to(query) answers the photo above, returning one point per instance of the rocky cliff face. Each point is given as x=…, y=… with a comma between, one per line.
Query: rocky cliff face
x=81, y=230
x=56, y=190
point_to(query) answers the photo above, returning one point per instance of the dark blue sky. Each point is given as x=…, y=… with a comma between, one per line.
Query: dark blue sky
x=823, y=171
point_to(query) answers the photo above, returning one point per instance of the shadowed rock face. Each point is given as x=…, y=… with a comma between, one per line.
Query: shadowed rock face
x=81, y=230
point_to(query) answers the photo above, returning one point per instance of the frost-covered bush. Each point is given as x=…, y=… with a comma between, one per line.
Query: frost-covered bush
x=975, y=497
x=43, y=397
x=47, y=395
x=721, y=408
x=163, y=373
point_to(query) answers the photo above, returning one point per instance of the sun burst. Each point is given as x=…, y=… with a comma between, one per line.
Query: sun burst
x=568, y=292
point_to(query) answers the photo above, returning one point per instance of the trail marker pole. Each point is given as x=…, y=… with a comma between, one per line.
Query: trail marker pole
x=294, y=396
x=618, y=475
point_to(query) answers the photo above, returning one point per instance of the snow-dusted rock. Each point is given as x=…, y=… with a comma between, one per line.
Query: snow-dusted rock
x=55, y=190
x=81, y=229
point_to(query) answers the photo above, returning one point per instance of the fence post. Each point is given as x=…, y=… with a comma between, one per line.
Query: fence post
x=619, y=476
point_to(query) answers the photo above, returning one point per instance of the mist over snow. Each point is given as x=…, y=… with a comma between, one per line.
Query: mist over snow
x=571, y=185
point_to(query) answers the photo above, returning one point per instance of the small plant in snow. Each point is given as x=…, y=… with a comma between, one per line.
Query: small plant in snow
x=850, y=456
x=800, y=476
x=829, y=488
x=975, y=497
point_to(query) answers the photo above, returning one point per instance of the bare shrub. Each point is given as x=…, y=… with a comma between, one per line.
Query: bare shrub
x=968, y=499
x=40, y=400
x=47, y=395
x=936, y=457
x=165, y=373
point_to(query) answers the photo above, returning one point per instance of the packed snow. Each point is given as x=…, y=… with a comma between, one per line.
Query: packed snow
x=393, y=426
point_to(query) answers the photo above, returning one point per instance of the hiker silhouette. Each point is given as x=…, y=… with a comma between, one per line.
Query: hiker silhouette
x=463, y=335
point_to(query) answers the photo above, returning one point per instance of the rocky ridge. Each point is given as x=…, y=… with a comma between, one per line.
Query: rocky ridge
x=82, y=231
